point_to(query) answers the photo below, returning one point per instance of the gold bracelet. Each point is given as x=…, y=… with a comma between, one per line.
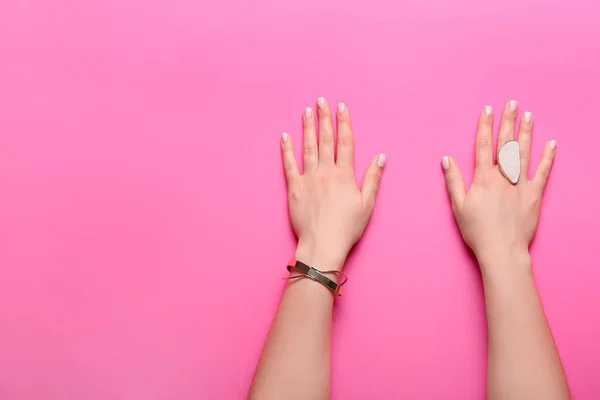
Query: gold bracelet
x=307, y=271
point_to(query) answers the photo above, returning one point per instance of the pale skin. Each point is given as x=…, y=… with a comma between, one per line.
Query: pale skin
x=498, y=221
x=329, y=214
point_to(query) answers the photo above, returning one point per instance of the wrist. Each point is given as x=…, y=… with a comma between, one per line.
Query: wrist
x=505, y=265
x=319, y=258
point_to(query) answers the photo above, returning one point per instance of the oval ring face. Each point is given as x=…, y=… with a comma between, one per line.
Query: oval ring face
x=509, y=160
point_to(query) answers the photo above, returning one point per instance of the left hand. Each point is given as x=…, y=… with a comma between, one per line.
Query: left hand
x=328, y=211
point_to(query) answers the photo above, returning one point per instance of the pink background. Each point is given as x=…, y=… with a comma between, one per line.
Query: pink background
x=143, y=213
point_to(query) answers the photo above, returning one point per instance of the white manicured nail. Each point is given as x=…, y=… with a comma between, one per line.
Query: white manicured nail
x=512, y=106
x=308, y=113
x=381, y=160
x=285, y=137
x=488, y=110
x=321, y=102
x=341, y=108
x=552, y=144
x=445, y=162
x=527, y=117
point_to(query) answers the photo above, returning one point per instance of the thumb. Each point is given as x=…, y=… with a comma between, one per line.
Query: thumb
x=454, y=181
x=372, y=178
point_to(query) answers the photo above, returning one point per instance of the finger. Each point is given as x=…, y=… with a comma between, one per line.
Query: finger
x=525, y=130
x=371, y=180
x=310, y=149
x=483, y=141
x=345, y=143
x=507, y=124
x=544, y=167
x=454, y=181
x=289, y=160
x=325, y=132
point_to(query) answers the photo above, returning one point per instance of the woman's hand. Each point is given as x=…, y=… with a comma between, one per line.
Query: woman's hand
x=328, y=211
x=329, y=214
x=497, y=218
x=498, y=221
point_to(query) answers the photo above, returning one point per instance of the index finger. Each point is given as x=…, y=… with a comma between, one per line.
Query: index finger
x=483, y=141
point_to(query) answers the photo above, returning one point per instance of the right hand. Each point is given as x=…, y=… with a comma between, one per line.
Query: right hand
x=496, y=218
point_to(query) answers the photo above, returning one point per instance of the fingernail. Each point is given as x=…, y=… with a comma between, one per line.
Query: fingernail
x=381, y=160
x=321, y=102
x=527, y=117
x=552, y=144
x=512, y=106
x=488, y=110
x=308, y=113
x=341, y=108
x=285, y=137
x=445, y=162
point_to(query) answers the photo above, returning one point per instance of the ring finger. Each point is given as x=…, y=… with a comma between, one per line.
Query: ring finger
x=525, y=131
x=310, y=149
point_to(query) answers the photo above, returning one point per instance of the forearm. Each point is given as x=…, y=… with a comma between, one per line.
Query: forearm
x=295, y=363
x=523, y=362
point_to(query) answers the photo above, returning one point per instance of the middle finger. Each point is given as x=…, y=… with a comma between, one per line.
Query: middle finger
x=326, y=148
x=507, y=124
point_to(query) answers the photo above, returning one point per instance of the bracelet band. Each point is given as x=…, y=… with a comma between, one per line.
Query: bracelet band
x=317, y=276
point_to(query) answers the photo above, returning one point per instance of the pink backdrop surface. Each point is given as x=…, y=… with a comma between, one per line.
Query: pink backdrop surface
x=143, y=217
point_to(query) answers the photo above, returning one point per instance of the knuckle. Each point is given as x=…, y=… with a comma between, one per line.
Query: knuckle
x=525, y=131
x=533, y=201
x=485, y=141
x=525, y=128
x=326, y=137
x=525, y=156
x=545, y=172
x=310, y=150
x=289, y=165
x=450, y=179
x=309, y=125
x=294, y=194
x=486, y=122
x=324, y=112
x=345, y=139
